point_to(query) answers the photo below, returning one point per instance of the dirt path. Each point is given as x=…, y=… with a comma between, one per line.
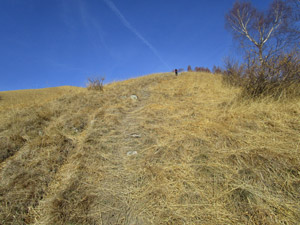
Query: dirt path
x=119, y=182
x=127, y=141
x=97, y=181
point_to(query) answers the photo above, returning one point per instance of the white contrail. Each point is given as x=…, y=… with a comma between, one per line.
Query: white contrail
x=92, y=27
x=125, y=22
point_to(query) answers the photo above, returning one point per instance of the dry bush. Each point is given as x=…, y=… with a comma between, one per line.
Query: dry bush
x=278, y=78
x=95, y=84
x=217, y=70
x=202, y=69
x=234, y=73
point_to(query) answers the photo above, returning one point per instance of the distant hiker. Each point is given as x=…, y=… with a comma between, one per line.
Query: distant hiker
x=176, y=72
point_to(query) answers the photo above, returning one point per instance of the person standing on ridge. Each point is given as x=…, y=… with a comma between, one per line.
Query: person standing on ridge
x=176, y=72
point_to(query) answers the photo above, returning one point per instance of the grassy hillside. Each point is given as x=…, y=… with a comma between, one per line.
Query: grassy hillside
x=10, y=100
x=185, y=152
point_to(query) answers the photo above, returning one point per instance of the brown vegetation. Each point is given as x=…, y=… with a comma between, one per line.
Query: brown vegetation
x=14, y=100
x=202, y=69
x=217, y=70
x=95, y=84
x=270, y=44
x=279, y=78
x=202, y=156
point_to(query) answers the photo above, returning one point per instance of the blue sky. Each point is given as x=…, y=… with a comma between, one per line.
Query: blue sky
x=47, y=43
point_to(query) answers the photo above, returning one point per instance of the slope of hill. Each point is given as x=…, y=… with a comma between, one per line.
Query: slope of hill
x=14, y=100
x=185, y=152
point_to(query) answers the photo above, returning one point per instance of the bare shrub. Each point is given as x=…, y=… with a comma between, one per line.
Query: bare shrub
x=279, y=77
x=202, y=69
x=234, y=73
x=95, y=83
x=217, y=70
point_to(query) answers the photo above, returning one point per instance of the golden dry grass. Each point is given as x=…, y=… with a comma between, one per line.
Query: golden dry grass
x=203, y=157
x=10, y=100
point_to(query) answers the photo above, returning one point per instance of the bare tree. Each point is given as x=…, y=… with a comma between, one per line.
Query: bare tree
x=295, y=19
x=297, y=2
x=260, y=33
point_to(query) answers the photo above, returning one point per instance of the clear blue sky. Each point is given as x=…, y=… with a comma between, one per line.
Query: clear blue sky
x=47, y=43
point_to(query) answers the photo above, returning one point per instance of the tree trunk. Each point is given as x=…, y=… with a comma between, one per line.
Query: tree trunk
x=260, y=55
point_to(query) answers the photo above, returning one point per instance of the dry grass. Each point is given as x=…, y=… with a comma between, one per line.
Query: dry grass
x=95, y=84
x=14, y=100
x=203, y=157
x=278, y=78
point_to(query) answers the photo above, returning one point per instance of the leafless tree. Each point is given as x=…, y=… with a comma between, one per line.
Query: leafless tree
x=261, y=34
x=297, y=2
x=295, y=17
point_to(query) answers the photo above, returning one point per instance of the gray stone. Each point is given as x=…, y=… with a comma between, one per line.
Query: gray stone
x=130, y=153
x=134, y=97
x=136, y=135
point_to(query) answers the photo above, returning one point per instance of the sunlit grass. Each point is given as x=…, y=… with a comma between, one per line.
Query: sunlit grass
x=204, y=156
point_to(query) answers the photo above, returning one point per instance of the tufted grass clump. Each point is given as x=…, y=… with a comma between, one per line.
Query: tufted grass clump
x=95, y=84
